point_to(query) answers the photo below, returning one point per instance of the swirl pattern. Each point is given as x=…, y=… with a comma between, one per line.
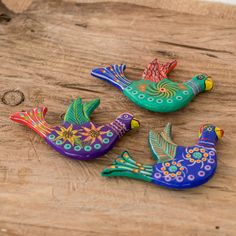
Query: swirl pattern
x=163, y=89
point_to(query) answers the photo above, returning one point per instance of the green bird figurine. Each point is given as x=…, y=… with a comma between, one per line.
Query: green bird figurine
x=154, y=91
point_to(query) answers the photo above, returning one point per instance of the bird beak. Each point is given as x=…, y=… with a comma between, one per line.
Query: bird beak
x=219, y=132
x=209, y=84
x=200, y=131
x=199, y=134
x=135, y=123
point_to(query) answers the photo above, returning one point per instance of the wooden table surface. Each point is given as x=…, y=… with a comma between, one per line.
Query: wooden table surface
x=47, y=49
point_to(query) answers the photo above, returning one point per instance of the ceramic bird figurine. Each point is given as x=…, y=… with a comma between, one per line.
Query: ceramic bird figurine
x=176, y=166
x=78, y=137
x=154, y=91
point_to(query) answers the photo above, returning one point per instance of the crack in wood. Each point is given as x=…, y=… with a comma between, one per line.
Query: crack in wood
x=83, y=25
x=194, y=47
x=210, y=55
x=5, y=13
x=4, y=17
x=77, y=87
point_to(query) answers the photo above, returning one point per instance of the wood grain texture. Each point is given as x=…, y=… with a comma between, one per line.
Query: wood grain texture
x=47, y=53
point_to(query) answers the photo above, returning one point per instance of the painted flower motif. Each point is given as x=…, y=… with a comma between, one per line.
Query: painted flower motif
x=162, y=89
x=181, y=86
x=93, y=133
x=68, y=134
x=196, y=155
x=171, y=170
x=142, y=87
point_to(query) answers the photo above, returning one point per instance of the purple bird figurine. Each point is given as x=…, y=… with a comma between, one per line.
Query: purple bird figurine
x=78, y=137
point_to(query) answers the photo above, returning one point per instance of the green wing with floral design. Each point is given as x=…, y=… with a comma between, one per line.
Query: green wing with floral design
x=79, y=113
x=161, y=145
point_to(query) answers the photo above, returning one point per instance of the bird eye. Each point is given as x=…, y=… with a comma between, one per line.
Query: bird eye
x=209, y=129
x=200, y=77
x=125, y=116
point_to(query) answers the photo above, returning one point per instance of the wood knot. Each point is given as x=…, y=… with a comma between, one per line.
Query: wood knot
x=13, y=98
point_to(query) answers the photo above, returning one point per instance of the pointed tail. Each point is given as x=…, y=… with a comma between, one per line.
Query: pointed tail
x=34, y=119
x=124, y=165
x=155, y=71
x=113, y=74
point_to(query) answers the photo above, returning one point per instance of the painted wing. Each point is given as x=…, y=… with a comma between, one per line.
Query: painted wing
x=167, y=133
x=79, y=113
x=161, y=144
x=155, y=71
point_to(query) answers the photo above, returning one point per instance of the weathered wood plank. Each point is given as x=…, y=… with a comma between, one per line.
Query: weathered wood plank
x=47, y=53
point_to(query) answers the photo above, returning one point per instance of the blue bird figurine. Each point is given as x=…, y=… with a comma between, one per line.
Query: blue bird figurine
x=176, y=166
